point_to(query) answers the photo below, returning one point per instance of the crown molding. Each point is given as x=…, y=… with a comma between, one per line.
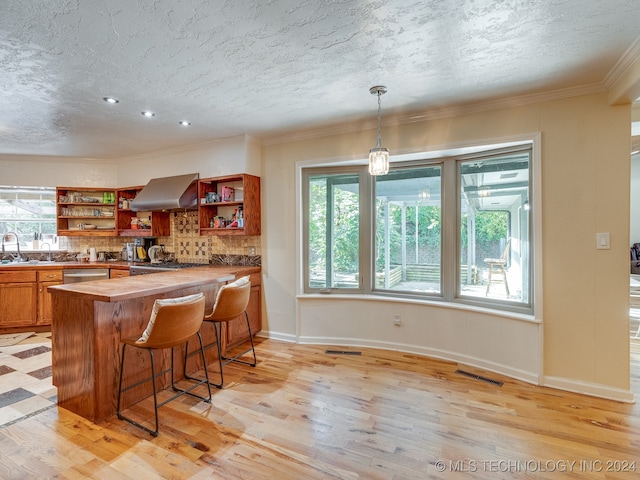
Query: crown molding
x=628, y=58
x=444, y=112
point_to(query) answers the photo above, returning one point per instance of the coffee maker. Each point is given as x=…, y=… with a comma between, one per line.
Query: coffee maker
x=141, y=248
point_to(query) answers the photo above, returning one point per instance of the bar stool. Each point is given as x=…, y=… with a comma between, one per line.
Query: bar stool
x=231, y=302
x=172, y=322
x=497, y=267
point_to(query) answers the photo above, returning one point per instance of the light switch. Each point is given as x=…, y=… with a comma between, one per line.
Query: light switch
x=603, y=241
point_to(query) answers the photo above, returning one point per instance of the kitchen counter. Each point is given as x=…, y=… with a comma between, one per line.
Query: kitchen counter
x=52, y=265
x=90, y=318
x=158, y=283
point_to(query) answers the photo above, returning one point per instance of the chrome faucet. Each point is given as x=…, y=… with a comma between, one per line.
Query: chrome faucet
x=4, y=237
x=48, y=245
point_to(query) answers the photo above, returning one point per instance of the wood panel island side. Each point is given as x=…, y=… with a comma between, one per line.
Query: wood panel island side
x=89, y=319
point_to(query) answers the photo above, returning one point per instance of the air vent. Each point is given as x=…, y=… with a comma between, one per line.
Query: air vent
x=480, y=377
x=342, y=352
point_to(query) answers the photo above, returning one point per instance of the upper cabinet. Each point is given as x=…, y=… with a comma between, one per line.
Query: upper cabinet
x=229, y=205
x=86, y=211
x=139, y=224
x=105, y=212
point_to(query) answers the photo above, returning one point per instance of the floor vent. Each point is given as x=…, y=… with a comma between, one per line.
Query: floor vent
x=479, y=377
x=342, y=352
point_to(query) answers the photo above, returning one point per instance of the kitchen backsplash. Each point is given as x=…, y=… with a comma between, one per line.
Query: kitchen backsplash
x=185, y=244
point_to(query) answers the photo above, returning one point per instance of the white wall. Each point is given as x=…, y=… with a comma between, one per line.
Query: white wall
x=217, y=158
x=582, y=343
x=28, y=171
x=212, y=159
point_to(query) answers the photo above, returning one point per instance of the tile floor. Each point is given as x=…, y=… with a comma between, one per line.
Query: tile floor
x=25, y=379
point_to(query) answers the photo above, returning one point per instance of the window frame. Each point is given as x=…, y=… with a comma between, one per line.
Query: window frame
x=450, y=218
x=524, y=307
x=12, y=224
x=364, y=226
x=404, y=293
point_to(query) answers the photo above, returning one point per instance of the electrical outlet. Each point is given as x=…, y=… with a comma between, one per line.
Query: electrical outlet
x=397, y=321
x=252, y=250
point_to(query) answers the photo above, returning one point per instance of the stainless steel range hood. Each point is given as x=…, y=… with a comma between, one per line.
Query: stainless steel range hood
x=168, y=193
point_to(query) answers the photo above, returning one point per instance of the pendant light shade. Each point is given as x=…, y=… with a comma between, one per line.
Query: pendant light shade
x=379, y=161
x=378, y=156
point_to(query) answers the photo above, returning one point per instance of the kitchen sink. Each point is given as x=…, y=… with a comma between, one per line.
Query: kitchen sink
x=30, y=262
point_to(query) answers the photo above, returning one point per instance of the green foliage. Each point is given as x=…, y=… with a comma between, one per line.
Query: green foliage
x=428, y=224
x=346, y=228
x=343, y=243
x=491, y=227
x=326, y=192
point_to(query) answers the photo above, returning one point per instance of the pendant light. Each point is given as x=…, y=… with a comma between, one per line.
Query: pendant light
x=378, y=156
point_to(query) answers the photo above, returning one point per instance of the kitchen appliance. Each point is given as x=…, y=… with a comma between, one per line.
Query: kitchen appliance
x=74, y=275
x=141, y=248
x=144, y=269
x=156, y=254
x=168, y=193
x=129, y=249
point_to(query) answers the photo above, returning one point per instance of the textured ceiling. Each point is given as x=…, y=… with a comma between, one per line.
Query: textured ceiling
x=271, y=67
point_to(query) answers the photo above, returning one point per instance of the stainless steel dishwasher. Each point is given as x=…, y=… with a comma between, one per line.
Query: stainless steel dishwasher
x=73, y=275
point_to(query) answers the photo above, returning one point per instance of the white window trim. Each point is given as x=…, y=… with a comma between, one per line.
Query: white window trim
x=432, y=152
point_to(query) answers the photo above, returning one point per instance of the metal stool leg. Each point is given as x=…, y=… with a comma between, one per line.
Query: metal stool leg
x=155, y=395
x=222, y=360
x=153, y=377
x=188, y=355
x=252, y=349
x=200, y=381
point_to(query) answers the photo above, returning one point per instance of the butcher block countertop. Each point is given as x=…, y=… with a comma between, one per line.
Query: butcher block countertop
x=126, y=288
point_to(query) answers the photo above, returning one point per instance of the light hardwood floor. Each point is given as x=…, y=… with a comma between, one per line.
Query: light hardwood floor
x=305, y=414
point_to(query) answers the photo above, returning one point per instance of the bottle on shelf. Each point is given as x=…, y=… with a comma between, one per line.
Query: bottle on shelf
x=240, y=218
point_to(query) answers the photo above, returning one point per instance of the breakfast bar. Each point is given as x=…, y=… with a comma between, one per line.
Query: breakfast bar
x=90, y=318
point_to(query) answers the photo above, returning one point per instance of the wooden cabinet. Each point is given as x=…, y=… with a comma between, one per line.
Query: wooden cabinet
x=229, y=205
x=236, y=331
x=18, y=298
x=46, y=278
x=146, y=224
x=85, y=211
x=101, y=212
x=118, y=272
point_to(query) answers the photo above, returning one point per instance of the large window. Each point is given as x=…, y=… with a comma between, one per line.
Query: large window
x=30, y=212
x=455, y=229
x=408, y=230
x=494, y=227
x=333, y=242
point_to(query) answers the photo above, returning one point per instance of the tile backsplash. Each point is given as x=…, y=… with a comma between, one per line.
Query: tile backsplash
x=185, y=243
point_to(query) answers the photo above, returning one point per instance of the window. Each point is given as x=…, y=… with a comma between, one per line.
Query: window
x=494, y=228
x=408, y=233
x=333, y=233
x=30, y=212
x=455, y=229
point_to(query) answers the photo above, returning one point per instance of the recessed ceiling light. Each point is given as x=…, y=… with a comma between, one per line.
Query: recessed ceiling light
x=111, y=100
x=184, y=123
x=148, y=114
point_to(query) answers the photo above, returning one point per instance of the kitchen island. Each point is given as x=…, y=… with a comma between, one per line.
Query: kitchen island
x=90, y=318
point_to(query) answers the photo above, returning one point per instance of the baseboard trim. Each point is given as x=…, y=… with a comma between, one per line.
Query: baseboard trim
x=284, y=337
x=559, y=383
x=591, y=389
x=518, y=374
